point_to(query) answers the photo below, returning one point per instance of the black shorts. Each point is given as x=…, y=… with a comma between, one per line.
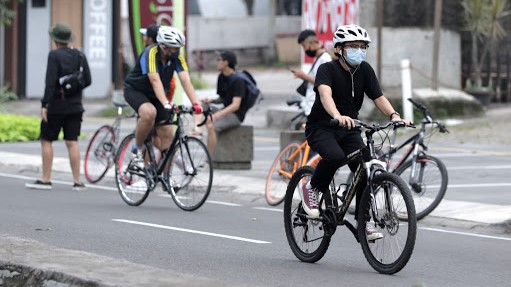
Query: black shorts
x=70, y=123
x=135, y=99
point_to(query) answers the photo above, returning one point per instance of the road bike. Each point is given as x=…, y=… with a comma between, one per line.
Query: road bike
x=292, y=157
x=386, y=203
x=426, y=175
x=102, y=147
x=187, y=160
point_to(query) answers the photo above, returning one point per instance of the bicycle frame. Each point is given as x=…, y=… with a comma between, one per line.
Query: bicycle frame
x=333, y=212
x=306, y=151
x=157, y=168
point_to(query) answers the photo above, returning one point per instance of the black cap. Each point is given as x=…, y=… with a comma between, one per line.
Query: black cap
x=305, y=34
x=151, y=31
x=230, y=57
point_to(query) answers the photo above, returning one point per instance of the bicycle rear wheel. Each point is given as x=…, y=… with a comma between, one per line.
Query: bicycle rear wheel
x=305, y=236
x=280, y=172
x=391, y=200
x=100, y=154
x=129, y=178
x=431, y=183
x=191, y=170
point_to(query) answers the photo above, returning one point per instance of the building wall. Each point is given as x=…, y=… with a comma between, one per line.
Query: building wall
x=38, y=47
x=90, y=21
x=418, y=48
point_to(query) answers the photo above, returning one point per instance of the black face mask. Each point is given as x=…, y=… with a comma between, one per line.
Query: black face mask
x=174, y=56
x=311, y=53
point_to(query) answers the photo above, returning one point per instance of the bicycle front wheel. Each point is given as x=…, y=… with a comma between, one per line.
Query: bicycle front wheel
x=283, y=167
x=429, y=184
x=305, y=236
x=391, y=201
x=100, y=154
x=129, y=178
x=191, y=171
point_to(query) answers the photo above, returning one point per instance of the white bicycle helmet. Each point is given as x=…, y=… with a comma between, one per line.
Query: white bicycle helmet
x=349, y=33
x=170, y=37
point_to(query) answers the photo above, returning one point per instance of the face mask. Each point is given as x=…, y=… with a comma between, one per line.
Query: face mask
x=311, y=53
x=355, y=56
x=174, y=56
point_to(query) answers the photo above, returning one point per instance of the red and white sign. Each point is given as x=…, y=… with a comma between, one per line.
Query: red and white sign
x=323, y=17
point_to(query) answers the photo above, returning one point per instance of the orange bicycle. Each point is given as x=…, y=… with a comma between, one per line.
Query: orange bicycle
x=292, y=157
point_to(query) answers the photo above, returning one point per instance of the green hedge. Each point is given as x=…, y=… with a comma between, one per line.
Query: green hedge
x=15, y=128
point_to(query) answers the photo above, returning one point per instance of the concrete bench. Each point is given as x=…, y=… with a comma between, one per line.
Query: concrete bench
x=235, y=148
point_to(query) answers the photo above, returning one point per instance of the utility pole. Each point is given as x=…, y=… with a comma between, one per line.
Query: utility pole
x=436, y=43
x=379, y=24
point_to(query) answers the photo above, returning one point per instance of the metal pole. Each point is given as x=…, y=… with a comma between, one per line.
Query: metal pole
x=436, y=43
x=379, y=17
x=406, y=86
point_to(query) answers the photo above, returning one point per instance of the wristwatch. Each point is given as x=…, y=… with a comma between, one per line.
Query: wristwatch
x=394, y=113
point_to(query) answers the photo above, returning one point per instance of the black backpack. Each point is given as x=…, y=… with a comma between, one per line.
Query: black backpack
x=252, y=90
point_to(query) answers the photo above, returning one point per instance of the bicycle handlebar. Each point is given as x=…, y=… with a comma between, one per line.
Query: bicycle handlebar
x=372, y=127
x=427, y=115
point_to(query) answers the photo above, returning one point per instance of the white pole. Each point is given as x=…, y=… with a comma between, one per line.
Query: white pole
x=406, y=79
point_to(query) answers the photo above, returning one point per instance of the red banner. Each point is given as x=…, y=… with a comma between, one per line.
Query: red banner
x=143, y=13
x=323, y=16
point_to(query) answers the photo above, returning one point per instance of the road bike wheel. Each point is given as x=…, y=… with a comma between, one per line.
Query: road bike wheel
x=391, y=253
x=100, y=154
x=431, y=184
x=280, y=172
x=306, y=237
x=130, y=179
x=191, y=170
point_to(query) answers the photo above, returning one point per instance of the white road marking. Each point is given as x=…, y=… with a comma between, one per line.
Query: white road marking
x=465, y=233
x=192, y=231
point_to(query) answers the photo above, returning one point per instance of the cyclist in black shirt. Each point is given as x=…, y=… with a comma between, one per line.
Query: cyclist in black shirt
x=340, y=86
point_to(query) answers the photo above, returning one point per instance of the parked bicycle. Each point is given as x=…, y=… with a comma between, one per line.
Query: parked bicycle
x=426, y=175
x=102, y=147
x=385, y=197
x=300, y=119
x=187, y=160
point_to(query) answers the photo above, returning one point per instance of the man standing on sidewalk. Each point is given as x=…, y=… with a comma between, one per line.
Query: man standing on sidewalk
x=61, y=110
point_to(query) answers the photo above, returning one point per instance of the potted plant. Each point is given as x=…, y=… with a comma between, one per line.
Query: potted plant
x=482, y=19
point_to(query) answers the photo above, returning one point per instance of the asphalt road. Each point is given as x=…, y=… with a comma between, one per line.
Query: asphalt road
x=241, y=243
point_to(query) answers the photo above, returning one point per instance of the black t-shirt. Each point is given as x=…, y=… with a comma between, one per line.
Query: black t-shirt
x=229, y=87
x=333, y=75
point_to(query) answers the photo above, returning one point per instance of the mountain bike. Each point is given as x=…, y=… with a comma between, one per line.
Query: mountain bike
x=425, y=174
x=385, y=197
x=102, y=147
x=187, y=160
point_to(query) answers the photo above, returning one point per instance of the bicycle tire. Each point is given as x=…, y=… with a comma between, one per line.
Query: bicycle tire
x=391, y=253
x=129, y=181
x=194, y=180
x=276, y=182
x=433, y=184
x=100, y=154
x=314, y=160
x=306, y=237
